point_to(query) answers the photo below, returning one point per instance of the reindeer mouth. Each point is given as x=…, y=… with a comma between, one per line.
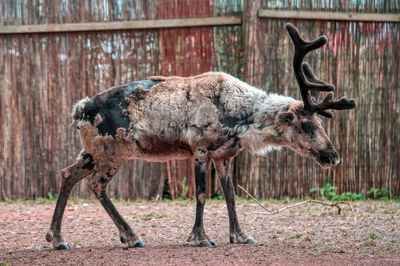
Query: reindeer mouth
x=327, y=158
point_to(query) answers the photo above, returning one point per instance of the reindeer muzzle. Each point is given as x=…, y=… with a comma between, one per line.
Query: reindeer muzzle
x=329, y=157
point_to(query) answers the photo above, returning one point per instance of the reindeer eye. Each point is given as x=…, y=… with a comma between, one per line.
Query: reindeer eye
x=307, y=127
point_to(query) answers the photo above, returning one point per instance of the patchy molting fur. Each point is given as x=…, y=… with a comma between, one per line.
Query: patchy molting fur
x=78, y=108
x=193, y=117
x=209, y=117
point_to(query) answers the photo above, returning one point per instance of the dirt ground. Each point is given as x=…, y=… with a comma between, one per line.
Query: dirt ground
x=310, y=234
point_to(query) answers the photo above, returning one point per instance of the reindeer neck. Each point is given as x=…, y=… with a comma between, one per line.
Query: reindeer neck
x=263, y=135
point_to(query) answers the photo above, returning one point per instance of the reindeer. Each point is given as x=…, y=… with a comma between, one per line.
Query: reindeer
x=209, y=117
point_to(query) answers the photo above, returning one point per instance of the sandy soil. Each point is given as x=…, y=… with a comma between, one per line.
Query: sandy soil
x=311, y=234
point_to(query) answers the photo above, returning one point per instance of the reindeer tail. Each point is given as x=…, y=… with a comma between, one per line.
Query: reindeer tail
x=77, y=110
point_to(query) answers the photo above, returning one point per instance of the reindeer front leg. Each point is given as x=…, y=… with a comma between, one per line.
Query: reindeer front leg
x=198, y=234
x=223, y=167
x=71, y=175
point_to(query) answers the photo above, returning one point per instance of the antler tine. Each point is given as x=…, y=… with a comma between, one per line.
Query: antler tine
x=342, y=104
x=327, y=103
x=307, y=80
x=310, y=76
x=303, y=47
x=313, y=93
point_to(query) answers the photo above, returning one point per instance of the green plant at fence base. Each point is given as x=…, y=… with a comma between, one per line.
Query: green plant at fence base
x=376, y=193
x=51, y=196
x=185, y=189
x=327, y=191
x=347, y=196
x=217, y=196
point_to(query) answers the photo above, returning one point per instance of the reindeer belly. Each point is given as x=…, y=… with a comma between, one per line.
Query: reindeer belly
x=154, y=149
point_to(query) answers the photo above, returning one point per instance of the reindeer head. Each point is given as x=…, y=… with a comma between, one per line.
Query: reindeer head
x=303, y=127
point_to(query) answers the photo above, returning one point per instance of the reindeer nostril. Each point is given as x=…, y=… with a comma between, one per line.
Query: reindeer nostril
x=325, y=157
x=329, y=156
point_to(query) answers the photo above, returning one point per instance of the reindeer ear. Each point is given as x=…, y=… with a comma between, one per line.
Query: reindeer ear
x=285, y=118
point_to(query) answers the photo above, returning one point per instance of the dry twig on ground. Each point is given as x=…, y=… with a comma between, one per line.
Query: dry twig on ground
x=272, y=212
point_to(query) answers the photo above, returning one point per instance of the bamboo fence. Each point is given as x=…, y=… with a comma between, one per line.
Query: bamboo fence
x=43, y=74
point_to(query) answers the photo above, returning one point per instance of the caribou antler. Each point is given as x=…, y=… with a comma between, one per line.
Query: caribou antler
x=309, y=85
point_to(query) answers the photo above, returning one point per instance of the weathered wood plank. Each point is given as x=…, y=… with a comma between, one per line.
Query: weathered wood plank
x=193, y=56
x=336, y=16
x=122, y=25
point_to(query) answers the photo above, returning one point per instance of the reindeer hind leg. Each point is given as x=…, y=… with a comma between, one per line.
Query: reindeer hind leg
x=97, y=184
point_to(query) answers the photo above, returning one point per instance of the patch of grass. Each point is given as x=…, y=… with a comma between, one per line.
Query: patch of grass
x=28, y=202
x=81, y=201
x=217, y=196
x=150, y=215
x=212, y=201
x=295, y=236
x=373, y=236
x=180, y=202
x=333, y=250
x=267, y=202
x=370, y=243
x=5, y=264
x=312, y=211
x=41, y=201
x=331, y=213
x=184, y=187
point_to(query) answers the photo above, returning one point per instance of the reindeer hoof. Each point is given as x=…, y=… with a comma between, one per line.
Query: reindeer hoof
x=241, y=238
x=204, y=243
x=213, y=243
x=207, y=243
x=63, y=246
x=250, y=240
x=139, y=244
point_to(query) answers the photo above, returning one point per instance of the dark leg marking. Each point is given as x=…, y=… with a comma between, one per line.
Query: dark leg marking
x=90, y=164
x=198, y=234
x=70, y=176
x=235, y=233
